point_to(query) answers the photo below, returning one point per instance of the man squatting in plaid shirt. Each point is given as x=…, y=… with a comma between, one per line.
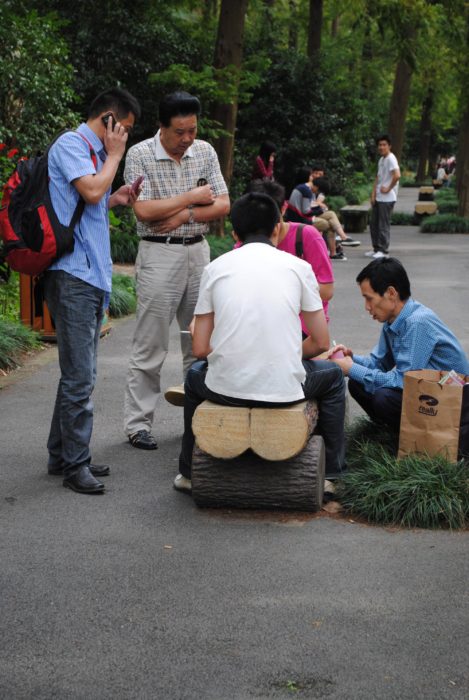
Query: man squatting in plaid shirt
x=183, y=189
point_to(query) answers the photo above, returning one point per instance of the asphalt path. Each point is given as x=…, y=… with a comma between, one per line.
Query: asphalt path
x=137, y=593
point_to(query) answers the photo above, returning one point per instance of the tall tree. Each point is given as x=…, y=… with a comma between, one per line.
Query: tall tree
x=315, y=28
x=399, y=103
x=425, y=135
x=229, y=53
x=462, y=168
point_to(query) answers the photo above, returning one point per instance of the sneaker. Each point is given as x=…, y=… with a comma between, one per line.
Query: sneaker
x=369, y=253
x=175, y=395
x=350, y=241
x=182, y=483
x=379, y=254
x=338, y=256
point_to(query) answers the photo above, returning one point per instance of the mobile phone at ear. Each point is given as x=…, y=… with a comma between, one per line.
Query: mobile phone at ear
x=107, y=117
x=136, y=184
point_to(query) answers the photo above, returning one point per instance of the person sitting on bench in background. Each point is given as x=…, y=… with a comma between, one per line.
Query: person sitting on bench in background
x=412, y=338
x=247, y=326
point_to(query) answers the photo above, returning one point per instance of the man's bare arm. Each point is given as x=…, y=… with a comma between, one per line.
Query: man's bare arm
x=202, y=327
x=318, y=340
x=159, y=209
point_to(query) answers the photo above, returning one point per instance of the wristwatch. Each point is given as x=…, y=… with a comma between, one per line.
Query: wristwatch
x=191, y=214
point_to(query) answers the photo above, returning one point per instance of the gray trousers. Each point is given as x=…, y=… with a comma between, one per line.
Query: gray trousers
x=168, y=280
x=380, y=225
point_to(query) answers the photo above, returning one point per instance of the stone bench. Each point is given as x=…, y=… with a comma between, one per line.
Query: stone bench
x=260, y=458
x=355, y=217
x=425, y=209
x=426, y=194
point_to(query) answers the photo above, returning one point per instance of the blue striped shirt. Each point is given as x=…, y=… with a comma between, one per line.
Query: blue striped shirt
x=69, y=158
x=416, y=339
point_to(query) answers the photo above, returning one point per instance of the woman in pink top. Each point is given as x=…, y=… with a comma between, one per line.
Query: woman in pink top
x=264, y=163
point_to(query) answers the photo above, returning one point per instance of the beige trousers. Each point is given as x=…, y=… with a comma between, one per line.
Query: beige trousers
x=168, y=279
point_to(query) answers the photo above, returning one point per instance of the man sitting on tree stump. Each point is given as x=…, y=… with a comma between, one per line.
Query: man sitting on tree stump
x=247, y=330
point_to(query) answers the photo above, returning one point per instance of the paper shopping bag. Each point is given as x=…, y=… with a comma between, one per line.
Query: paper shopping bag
x=434, y=417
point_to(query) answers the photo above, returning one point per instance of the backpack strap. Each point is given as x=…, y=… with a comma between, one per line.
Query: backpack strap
x=80, y=208
x=299, y=241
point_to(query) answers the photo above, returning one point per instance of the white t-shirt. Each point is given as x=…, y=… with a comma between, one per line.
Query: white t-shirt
x=257, y=293
x=386, y=166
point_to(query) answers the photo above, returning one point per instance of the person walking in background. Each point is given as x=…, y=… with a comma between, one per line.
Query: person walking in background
x=265, y=161
x=77, y=286
x=383, y=198
x=183, y=189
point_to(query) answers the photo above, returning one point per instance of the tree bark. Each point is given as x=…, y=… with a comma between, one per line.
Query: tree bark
x=314, y=29
x=398, y=106
x=229, y=52
x=462, y=163
x=425, y=136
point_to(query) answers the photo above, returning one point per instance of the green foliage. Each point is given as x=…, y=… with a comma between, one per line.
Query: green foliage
x=336, y=202
x=400, y=218
x=124, y=239
x=448, y=206
x=10, y=298
x=416, y=491
x=15, y=338
x=445, y=223
x=123, y=296
x=35, y=78
x=445, y=194
x=219, y=245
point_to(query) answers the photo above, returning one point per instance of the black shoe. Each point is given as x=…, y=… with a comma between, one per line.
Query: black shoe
x=83, y=482
x=143, y=440
x=95, y=469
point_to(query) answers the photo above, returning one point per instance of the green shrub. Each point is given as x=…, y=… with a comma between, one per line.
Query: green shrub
x=15, y=338
x=219, y=245
x=448, y=206
x=10, y=298
x=336, y=202
x=357, y=194
x=123, y=297
x=416, y=491
x=445, y=223
x=446, y=193
x=124, y=239
x=400, y=218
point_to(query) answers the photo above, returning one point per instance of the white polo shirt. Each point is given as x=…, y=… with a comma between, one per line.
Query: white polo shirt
x=256, y=293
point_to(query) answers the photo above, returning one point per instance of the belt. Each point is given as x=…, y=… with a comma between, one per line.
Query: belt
x=173, y=239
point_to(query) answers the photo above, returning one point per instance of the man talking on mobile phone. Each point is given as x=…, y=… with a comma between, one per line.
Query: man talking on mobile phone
x=183, y=189
x=82, y=165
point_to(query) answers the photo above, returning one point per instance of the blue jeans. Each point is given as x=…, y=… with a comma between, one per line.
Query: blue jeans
x=324, y=382
x=76, y=309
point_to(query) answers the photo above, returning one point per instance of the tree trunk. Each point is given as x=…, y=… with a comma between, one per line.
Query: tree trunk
x=425, y=136
x=229, y=52
x=314, y=29
x=398, y=106
x=335, y=27
x=462, y=163
x=293, y=26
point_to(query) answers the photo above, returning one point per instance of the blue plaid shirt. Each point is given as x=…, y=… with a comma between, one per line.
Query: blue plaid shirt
x=417, y=339
x=69, y=158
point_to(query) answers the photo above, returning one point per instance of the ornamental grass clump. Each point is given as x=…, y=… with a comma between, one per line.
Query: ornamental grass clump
x=15, y=339
x=445, y=223
x=416, y=491
x=123, y=297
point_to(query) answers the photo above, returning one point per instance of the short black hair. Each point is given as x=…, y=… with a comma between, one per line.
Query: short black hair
x=115, y=100
x=384, y=273
x=384, y=137
x=270, y=187
x=322, y=184
x=177, y=104
x=254, y=213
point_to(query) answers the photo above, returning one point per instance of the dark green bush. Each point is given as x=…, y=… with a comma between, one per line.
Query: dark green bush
x=336, y=202
x=123, y=297
x=400, y=218
x=445, y=223
x=219, y=245
x=15, y=338
x=124, y=239
x=445, y=194
x=448, y=206
x=417, y=491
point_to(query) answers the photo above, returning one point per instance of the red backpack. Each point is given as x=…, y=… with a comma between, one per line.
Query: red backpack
x=33, y=237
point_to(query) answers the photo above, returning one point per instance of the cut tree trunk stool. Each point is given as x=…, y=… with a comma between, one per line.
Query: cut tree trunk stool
x=426, y=194
x=261, y=458
x=425, y=209
x=355, y=217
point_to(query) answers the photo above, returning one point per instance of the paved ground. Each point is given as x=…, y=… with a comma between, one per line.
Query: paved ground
x=139, y=594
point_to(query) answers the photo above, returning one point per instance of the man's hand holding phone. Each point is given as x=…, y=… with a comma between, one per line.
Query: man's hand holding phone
x=136, y=185
x=115, y=136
